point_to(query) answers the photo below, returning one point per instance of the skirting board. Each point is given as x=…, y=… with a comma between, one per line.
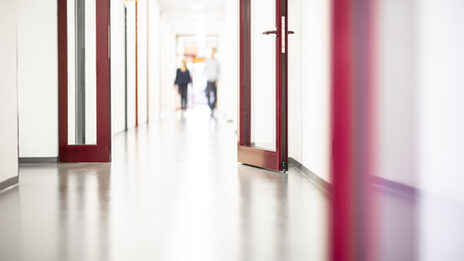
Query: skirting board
x=385, y=183
x=9, y=183
x=395, y=186
x=326, y=186
x=38, y=160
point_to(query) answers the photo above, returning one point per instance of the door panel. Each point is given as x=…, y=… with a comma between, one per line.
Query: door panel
x=84, y=80
x=263, y=84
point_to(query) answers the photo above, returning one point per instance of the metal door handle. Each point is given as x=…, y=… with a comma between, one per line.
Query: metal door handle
x=275, y=32
x=270, y=32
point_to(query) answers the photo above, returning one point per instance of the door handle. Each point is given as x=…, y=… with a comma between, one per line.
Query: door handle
x=270, y=32
x=275, y=32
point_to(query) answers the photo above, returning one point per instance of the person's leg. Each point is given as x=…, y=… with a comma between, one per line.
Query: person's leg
x=208, y=93
x=185, y=100
x=215, y=96
x=184, y=97
x=182, y=101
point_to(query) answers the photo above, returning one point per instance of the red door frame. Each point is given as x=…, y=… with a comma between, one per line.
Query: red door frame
x=101, y=152
x=275, y=160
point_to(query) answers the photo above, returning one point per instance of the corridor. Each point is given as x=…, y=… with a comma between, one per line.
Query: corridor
x=322, y=130
x=173, y=192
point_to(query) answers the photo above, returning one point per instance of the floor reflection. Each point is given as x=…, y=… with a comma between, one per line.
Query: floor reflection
x=83, y=211
x=396, y=219
x=263, y=214
x=174, y=191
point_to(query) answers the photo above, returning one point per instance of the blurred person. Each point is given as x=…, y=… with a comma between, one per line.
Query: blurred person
x=212, y=70
x=182, y=81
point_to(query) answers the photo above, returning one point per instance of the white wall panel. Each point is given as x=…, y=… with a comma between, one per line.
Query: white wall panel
x=396, y=90
x=154, y=60
x=142, y=60
x=309, y=88
x=419, y=92
x=117, y=67
x=130, y=63
x=169, y=96
x=295, y=59
x=8, y=92
x=228, y=56
x=441, y=121
x=38, y=78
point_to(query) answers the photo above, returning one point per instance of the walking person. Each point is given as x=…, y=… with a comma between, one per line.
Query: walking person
x=183, y=78
x=212, y=69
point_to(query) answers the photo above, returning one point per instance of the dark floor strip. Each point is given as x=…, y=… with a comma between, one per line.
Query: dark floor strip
x=38, y=160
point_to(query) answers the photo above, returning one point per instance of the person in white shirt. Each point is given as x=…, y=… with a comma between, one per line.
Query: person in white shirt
x=212, y=69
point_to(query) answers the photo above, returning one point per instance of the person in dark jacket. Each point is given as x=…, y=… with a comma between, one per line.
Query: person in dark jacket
x=182, y=80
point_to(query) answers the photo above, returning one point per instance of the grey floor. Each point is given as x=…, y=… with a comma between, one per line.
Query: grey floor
x=173, y=192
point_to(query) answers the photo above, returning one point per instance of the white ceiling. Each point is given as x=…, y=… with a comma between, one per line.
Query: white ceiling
x=194, y=16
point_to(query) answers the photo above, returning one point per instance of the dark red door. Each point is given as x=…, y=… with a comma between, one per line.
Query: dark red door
x=263, y=84
x=84, y=81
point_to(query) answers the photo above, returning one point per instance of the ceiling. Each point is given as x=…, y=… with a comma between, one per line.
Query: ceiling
x=190, y=17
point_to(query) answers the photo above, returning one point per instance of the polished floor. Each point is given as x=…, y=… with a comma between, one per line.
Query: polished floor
x=173, y=192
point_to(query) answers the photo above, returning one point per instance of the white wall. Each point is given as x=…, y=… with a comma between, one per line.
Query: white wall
x=396, y=90
x=130, y=63
x=8, y=91
x=38, y=78
x=419, y=92
x=142, y=60
x=441, y=122
x=168, y=94
x=117, y=67
x=118, y=62
x=228, y=51
x=154, y=60
x=309, y=85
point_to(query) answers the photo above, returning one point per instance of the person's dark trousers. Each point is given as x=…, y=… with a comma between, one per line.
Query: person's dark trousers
x=211, y=94
x=183, y=97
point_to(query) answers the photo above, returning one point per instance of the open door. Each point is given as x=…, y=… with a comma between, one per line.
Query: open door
x=263, y=84
x=84, y=80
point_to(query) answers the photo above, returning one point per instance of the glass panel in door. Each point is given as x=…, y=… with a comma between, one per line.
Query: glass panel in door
x=82, y=82
x=263, y=74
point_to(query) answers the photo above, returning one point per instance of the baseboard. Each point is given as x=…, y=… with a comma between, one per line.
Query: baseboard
x=326, y=186
x=38, y=160
x=395, y=186
x=9, y=183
